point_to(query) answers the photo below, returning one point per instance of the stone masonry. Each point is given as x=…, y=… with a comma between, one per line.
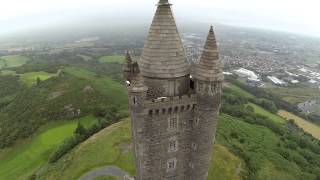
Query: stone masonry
x=174, y=107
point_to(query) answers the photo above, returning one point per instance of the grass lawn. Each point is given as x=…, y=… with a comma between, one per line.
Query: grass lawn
x=115, y=58
x=304, y=124
x=21, y=160
x=261, y=111
x=31, y=78
x=12, y=61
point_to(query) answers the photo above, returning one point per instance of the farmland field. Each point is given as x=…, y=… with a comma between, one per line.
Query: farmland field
x=304, y=124
x=22, y=159
x=12, y=61
x=295, y=95
x=31, y=78
x=115, y=58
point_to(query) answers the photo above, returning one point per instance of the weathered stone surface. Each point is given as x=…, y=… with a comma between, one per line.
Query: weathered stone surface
x=163, y=55
x=174, y=117
x=209, y=67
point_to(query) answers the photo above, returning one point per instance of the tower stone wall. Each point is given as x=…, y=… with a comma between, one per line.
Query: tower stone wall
x=174, y=110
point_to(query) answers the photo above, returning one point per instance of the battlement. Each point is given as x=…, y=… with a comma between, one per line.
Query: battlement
x=170, y=105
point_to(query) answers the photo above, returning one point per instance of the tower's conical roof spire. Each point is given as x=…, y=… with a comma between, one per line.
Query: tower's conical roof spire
x=128, y=58
x=163, y=55
x=209, y=67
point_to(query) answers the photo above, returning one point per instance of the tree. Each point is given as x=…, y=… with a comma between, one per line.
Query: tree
x=38, y=81
x=80, y=130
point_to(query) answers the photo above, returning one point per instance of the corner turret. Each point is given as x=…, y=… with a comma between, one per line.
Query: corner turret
x=208, y=79
x=209, y=68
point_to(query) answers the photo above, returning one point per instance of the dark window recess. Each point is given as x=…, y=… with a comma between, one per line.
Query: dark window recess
x=191, y=84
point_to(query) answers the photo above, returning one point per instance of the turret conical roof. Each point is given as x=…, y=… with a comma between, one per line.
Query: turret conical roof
x=163, y=54
x=209, y=67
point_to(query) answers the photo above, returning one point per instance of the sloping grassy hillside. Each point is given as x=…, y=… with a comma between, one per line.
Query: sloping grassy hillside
x=112, y=146
x=74, y=93
x=274, y=117
x=258, y=152
x=19, y=161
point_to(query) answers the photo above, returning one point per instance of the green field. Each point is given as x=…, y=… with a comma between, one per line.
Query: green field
x=115, y=58
x=21, y=160
x=12, y=61
x=31, y=78
x=261, y=111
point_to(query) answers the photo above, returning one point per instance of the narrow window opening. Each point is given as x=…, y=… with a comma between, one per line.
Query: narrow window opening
x=173, y=123
x=173, y=146
x=197, y=120
x=191, y=84
x=176, y=109
x=134, y=99
x=171, y=164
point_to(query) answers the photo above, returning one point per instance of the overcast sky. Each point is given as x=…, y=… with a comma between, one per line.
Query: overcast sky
x=300, y=16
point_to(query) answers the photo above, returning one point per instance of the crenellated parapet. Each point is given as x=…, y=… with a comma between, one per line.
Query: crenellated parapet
x=170, y=105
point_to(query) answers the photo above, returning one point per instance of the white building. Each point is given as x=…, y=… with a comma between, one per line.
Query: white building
x=277, y=81
x=245, y=73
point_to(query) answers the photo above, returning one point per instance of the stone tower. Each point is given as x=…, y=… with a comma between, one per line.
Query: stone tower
x=174, y=110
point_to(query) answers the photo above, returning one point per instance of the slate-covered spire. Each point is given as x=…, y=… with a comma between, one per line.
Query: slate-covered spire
x=137, y=84
x=163, y=54
x=127, y=67
x=128, y=58
x=209, y=67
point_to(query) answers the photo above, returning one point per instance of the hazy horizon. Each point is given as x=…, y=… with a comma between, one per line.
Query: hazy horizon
x=294, y=16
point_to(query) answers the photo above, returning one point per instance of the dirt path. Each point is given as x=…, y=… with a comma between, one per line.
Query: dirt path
x=104, y=171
